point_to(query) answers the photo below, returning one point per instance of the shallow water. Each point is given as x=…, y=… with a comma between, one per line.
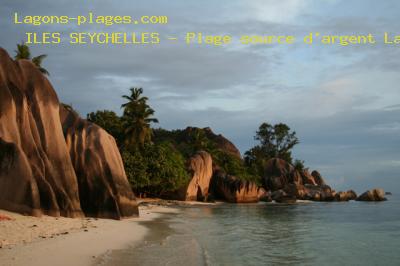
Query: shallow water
x=315, y=233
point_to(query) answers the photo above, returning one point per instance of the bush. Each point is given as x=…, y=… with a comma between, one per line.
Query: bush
x=155, y=169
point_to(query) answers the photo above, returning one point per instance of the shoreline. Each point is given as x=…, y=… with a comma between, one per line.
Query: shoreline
x=27, y=240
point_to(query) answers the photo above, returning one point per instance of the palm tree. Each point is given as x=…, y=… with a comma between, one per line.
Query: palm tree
x=23, y=52
x=137, y=118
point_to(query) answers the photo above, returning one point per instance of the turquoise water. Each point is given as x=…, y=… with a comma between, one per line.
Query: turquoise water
x=315, y=233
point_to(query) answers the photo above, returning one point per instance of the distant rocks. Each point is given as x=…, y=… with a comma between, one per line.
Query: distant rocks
x=286, y=183
x=376, y=194
x=345, y=196
x=318, y=178
x=281, y=196
x=234, y=190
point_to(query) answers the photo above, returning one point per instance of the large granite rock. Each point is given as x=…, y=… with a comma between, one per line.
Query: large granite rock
x=319, y=180
x=231, y=189
x=345, y=196
x=222, y=143
x=200, y=168
x=36, y=172
x=103, y=186
x=376, y=194
x=278, y=174
x=308, y=178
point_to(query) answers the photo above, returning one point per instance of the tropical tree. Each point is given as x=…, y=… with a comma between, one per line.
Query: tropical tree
x=23, y=52
x=137, y=117
x=276, y=141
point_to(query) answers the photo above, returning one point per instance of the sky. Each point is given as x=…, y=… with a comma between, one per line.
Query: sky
x=342, y=101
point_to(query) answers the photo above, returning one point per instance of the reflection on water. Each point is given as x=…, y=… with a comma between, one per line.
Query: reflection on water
x=353, y=233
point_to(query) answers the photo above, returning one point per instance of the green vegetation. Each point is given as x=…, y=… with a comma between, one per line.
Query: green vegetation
x=136, y=119
x=155, y=159
x=192, y=140
x=299, y=165
x=23, y=52
x=156, y=169
x=275, y=142
x=152, y=168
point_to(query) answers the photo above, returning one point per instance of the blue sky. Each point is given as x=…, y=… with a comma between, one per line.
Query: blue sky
x=343, y=102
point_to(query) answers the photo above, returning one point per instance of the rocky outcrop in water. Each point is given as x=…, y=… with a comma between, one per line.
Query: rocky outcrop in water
x=376, y=194
x=36, y=172
x=231, y=189
x=281, y=177
x=345, y=196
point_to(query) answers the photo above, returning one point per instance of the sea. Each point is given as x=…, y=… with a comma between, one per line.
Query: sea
x=305, y=233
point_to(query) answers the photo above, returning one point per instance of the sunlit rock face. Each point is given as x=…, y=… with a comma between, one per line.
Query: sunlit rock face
x=103, y=186
x=37, y=175
x=200, y=168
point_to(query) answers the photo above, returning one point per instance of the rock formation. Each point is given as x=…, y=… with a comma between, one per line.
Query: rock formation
x=103, y=186
x=376, y=194
x=281, y=196
x=318, y=178
x=36, y=172
x=222, y=143
x=219, y=141
x=200, y=168
x=281, y=177
x=278, y=174
x=345, y=196
x=234, y=190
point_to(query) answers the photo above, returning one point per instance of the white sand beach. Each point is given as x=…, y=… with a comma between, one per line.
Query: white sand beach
x=27, y=240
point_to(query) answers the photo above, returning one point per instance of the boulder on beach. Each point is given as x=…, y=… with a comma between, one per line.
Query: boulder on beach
x=200, y=168
x=37, y=174
x=103, y=186
x=376, y=194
